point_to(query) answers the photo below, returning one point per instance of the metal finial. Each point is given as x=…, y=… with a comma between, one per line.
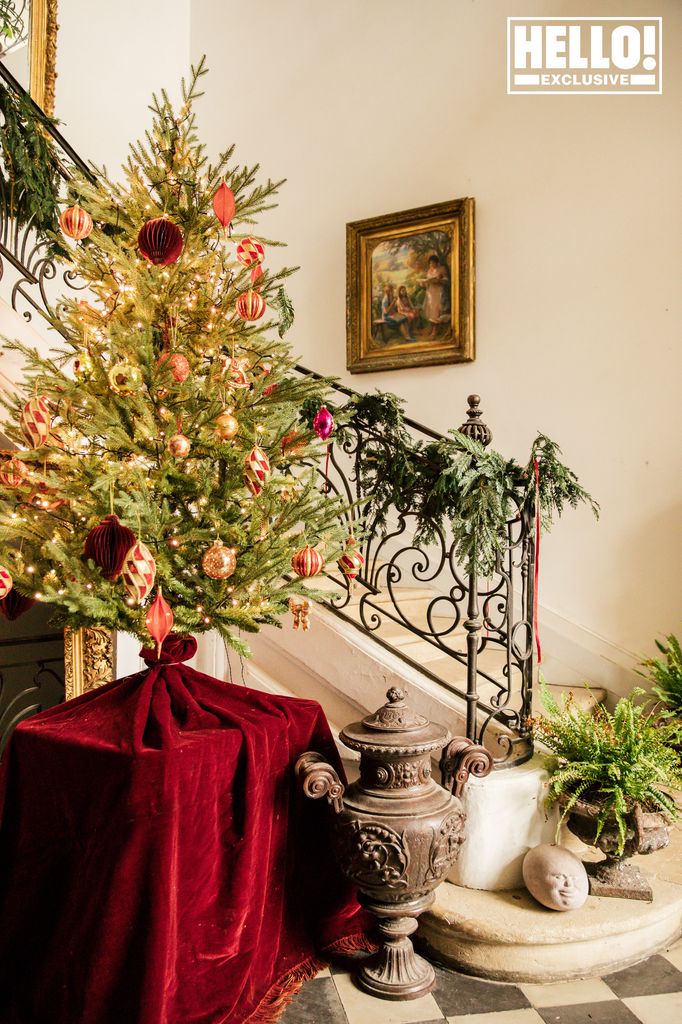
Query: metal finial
x=474, y=426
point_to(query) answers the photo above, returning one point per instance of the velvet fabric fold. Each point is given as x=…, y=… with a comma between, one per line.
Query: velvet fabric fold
x=157, y=864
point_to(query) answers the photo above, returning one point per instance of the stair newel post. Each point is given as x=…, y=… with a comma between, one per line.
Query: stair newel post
x=475, y=428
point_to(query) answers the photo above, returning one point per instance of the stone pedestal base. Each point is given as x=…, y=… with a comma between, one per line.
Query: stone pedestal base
x=396, y=971
x=507, y=936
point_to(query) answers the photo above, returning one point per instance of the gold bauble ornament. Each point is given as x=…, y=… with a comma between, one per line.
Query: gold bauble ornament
x=226, y=426
x=125, y=377
x=179, y=446
x=219, y=562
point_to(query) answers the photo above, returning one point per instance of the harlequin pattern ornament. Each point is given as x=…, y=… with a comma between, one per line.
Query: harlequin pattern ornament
x=125, y=377
x=307, y=562
x=75, y=222
x=351, y=561
x=13, y=472
x=323, y=424
x=177, y=364
x=224, y=205
x=107, y=544
x=139, y=571
x=250, y=306
x=250, y=251
x=160, y=241
x=159, y=620
x=5, y=582
x=226, y=426
x=256, y=470
x=35, y=421
x=219, y=562
x=179, y=446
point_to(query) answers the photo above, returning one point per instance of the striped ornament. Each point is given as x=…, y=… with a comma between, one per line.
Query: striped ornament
x=352, y=560
x=35, y=421
x=139, y=571
x=307, y=562
x=5, y=582
x=256, y=470
x=75, y=222
x=13, y=473
x=250, y=251
x=250, y=306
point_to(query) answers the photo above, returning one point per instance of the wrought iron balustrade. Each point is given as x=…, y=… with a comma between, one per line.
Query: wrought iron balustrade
x=484, y=626
x=31, y=678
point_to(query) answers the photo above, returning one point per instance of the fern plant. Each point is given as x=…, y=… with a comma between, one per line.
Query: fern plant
x=666, y=674
x=614, y=760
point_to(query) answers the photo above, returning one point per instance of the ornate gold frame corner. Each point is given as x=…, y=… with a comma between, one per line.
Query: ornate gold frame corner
x=43, y=54
x=456, y=216
x=88, y=659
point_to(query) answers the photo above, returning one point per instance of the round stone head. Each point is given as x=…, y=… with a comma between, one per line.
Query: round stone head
x=555, y=877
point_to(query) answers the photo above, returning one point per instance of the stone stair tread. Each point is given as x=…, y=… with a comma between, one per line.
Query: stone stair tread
x=584, y=697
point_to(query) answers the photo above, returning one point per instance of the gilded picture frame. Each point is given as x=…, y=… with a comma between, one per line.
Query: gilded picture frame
x=43, y=54
x=410, y=288
x=88, y=659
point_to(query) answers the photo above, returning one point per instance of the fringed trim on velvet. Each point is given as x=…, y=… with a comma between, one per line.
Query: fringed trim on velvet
x=273, y=1005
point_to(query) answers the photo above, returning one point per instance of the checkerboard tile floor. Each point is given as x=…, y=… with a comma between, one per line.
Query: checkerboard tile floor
x=648, y=993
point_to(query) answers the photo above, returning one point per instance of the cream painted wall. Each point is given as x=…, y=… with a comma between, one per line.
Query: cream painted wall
x=110, y=58
x=370, y=107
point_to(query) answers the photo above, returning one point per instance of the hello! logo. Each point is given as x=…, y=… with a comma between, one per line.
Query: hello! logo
x=584, y=55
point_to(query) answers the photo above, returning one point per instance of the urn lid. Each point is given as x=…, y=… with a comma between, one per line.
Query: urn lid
x=395, y=724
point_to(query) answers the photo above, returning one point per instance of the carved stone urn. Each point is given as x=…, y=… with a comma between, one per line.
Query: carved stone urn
x=396, y=832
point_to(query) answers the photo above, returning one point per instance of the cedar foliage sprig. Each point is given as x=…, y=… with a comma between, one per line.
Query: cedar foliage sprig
x=456, y=480
x=614, y=759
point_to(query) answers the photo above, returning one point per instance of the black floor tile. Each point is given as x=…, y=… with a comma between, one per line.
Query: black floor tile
x=607, y=1012
x=317, y=1002
x=649, y=978
x=459, y=994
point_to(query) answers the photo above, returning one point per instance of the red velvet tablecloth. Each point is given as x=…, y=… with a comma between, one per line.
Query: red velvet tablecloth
x=157, y=865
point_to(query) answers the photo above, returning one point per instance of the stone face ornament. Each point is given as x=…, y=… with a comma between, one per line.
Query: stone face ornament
x=396, y=833
x=555, y=877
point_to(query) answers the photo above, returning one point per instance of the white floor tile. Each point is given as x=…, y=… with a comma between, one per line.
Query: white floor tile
x=568, y=993
x=527, y=1016
x=662, y=1009
x=324, y=973
x=362, y=1008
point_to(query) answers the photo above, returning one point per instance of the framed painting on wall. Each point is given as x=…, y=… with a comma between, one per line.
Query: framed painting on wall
x=410, y=288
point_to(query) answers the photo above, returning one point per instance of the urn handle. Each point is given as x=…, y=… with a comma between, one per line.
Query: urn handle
x=462, y=758
x=318, y=779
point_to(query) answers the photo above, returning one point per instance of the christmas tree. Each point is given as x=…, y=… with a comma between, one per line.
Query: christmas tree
x=165, y=448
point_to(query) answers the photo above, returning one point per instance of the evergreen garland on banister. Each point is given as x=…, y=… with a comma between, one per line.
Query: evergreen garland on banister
x=456, y=480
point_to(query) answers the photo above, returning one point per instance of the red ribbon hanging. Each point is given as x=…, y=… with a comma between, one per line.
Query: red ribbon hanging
x=537, y=560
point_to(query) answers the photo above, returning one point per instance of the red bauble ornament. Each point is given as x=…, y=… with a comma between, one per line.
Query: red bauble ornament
x=75, y=222
x=159, y=620
x=250, y=306
x=351, y=561
x=35, y=421
x=179, y=446
x=160, y=241
x=224, y=205
x=177, y=363
x=307, y=562
x=5, y=582
x=323, y=424
x=256, y=470
x=107, y=545
x=250, y=251
x=15, y=604
x=13, y=472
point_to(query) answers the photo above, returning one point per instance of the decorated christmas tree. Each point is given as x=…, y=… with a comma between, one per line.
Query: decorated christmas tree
x=163, y=463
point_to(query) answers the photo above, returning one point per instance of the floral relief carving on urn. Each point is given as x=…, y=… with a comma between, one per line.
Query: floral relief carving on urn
x=396, y=833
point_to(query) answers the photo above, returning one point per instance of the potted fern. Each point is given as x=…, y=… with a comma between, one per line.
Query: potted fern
x=612, y=773
x=666, y=675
